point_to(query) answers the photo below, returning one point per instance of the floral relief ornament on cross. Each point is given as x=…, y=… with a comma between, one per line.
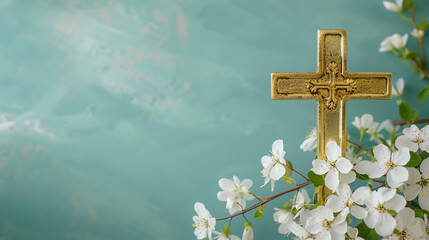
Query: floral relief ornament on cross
x=334, y=84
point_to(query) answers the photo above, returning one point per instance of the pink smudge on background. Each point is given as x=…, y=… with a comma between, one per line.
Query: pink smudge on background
x=182, y=26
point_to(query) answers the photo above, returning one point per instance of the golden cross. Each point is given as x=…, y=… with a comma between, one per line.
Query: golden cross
x=331, y=86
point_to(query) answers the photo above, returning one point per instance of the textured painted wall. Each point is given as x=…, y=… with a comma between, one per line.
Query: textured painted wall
x=116, y=116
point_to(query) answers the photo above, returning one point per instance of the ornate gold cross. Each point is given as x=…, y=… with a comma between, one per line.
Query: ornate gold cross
x=331, y=86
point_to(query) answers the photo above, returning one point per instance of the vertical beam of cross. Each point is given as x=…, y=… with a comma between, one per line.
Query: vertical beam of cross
x=331, y=86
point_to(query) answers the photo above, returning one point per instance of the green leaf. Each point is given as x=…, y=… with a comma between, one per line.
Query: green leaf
x=423, y=25
x=362, y=176
x=408, y=113
x=226, y=230
x=288, y=180
x=288, y=171
x=406, y=3
x=424, y=94
x=384, y=142
x=409, y=55
x=287, y=207
x=258, y=213
x=317, y=180
x=424, y=155
x=414, y=160
x=366, y=232
x=247, y=225
x=361, y=152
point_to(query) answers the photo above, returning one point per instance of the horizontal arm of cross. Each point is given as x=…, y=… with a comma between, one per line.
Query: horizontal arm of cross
x=292, y=85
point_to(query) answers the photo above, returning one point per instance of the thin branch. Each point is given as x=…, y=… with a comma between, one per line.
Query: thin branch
x=382, y=185
x=267, y=199
x=399, y=122
x=291, y=168
x=379, y=181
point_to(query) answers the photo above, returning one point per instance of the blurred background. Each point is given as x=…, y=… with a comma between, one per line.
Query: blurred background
x=117, y=116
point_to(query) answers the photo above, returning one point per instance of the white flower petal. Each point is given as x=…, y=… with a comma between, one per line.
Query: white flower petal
x=411, y=191
x=247, y=183
x=277, y=172
x=424, y=168
x=320, y=167
x=267, y=161
x=392, y=181
x=406, y=142
x=413, y=175
x=400, y=84
x=358, y=212
x=343, y=165
x=404, y=218
x=314, y=225
x=401, y=157
x=333, y=151
x=397, y=203
x=385, y=194
x=399, y=174
x=424, y=198
x=376, y=169
x=391, y=6
x=226, y=184
x=386, y=225
x=335, y=203
x=277, y=149
x=372, y=219
x=224, y=195
x=341, y=217
x=348, y=177
x=412, y=132
x=332, y=179
x=199, y=208
x=361, y=194
x=382, y=153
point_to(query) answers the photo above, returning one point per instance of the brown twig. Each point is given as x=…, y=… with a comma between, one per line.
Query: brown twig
x=379, y=181
x=267, y=199
x=291, y=168
x=382, y=185
x=400, y=123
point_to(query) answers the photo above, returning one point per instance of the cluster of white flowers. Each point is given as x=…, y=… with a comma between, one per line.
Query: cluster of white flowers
x=383, y=208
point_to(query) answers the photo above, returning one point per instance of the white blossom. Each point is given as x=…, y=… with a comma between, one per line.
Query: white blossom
x=395, y=41
x=417, y=33
x=248, y=233
x=323, y=224
x=273, y=168
x=204, y=223
x=388, y=163
x=388, y=126
x=298, y=230
x=417, y=184
x=365, y=123
x=408, y=226
x=284, y=218
x=414, y=138
x=310, y=143
x=333, y=165
x=346, y=201
x=399, y=89
x=222, y=236
x=353, y=233
x=301, y=199
x=378, y=205
x=235, y=193
x=394, y=7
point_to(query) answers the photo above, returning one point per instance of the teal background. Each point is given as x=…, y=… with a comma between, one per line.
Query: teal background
x=117, y=116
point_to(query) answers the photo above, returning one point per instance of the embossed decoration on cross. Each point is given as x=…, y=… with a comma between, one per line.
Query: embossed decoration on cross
x=332, y=85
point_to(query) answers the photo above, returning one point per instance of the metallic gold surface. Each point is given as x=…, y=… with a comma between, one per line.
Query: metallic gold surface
x=331, y=86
